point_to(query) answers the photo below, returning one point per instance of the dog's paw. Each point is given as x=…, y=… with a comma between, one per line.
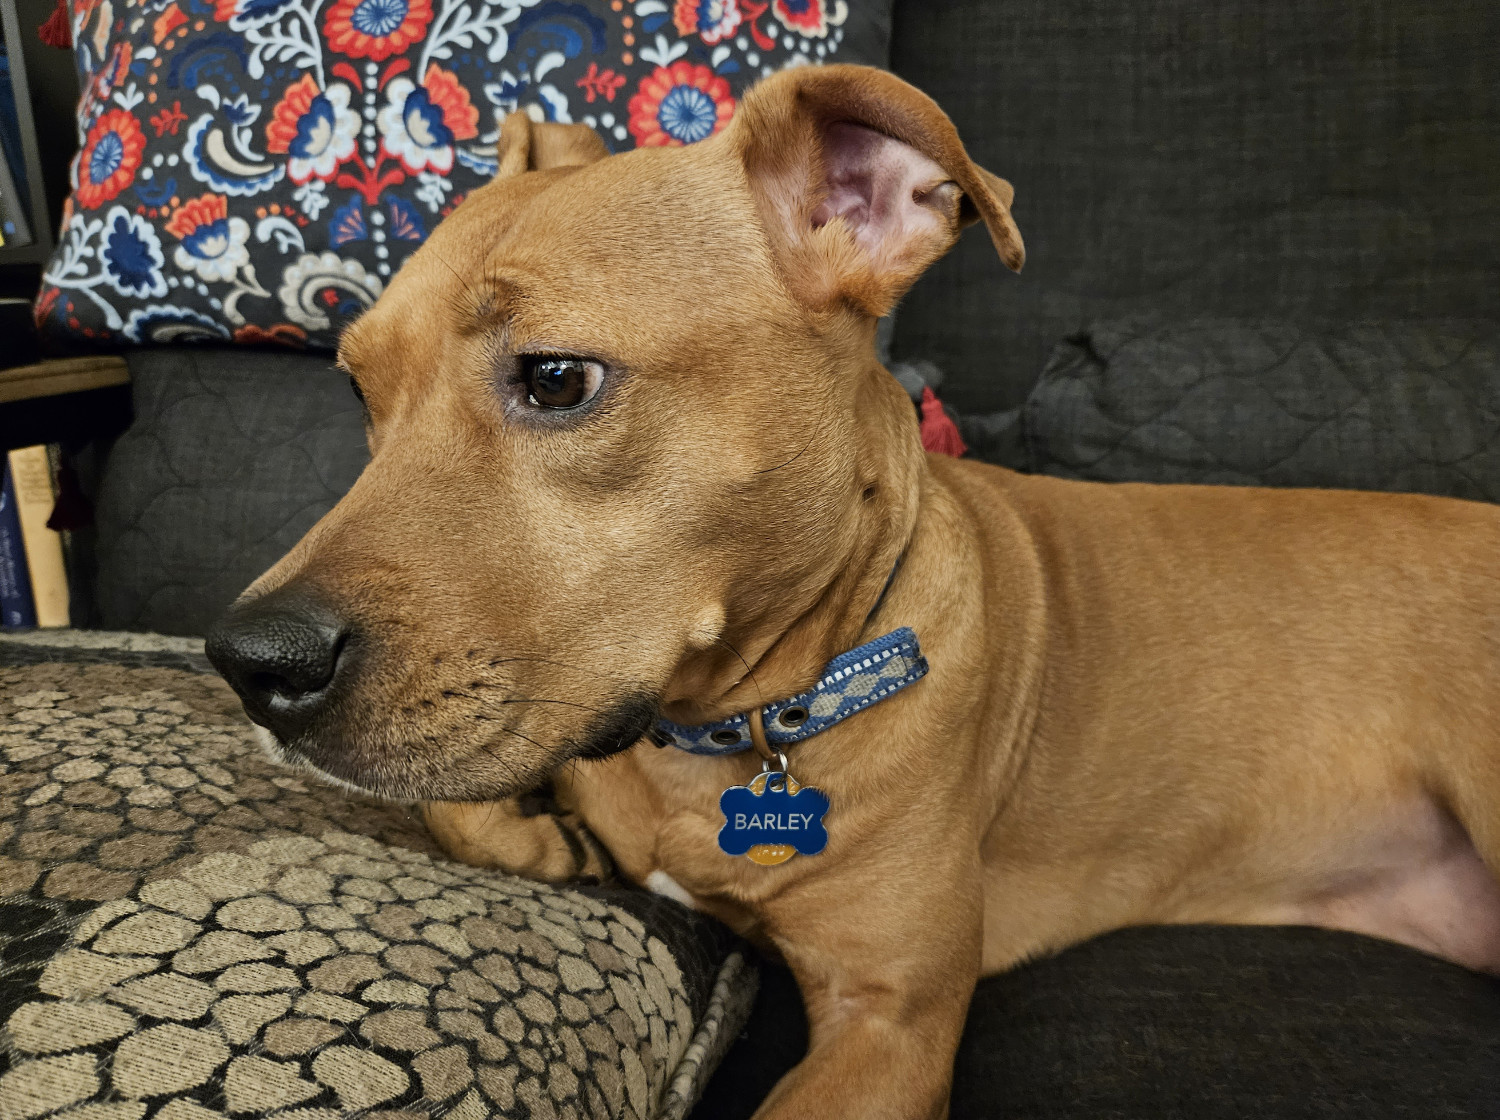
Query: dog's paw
x=551, y=847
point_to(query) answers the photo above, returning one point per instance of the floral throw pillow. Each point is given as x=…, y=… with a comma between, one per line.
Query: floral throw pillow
x=256, y=170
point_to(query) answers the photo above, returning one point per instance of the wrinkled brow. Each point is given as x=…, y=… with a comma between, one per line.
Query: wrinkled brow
x=492, y=301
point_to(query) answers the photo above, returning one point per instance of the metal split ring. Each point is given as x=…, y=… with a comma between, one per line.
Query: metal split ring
x=765, y=763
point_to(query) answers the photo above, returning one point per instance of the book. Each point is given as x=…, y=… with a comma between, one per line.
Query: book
x=16, y=609
x=31, y=479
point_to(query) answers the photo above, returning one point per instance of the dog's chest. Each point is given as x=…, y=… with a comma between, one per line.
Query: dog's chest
x=699, y=875
x=659, y=882
x=663, y=836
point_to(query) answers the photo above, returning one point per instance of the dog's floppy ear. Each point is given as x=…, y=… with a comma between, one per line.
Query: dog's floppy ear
x=862, y=182
x=528, y=145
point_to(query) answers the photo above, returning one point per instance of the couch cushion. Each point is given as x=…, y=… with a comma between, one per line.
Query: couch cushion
x=1191, y=1023
x=184, y=926
x=1409, y=406
x=232, y=456
x=1234, y=158
x=259, y=169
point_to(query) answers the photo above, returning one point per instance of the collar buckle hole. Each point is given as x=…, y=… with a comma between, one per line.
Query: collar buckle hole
x=792, y=717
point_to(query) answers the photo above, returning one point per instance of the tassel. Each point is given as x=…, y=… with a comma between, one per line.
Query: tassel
x=72, y=510
x=57, y=31
x=939, y=432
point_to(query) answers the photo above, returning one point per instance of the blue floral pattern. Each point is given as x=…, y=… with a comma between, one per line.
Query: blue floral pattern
x=257, y=170
x=131, y=255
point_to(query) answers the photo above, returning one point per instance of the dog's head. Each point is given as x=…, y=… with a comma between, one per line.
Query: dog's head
x=629, y=441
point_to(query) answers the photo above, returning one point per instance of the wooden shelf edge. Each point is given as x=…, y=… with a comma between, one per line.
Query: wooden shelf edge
x=62, y=375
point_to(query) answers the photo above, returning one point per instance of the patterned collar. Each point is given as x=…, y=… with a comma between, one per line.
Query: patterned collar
x=851, y=683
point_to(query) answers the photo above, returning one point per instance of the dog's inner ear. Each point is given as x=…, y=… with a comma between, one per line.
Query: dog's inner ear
x=902, y=209
x=528, y=145
x=861, y=182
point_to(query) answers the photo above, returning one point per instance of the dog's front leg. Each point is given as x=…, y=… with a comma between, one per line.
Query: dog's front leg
x=518, y=837
x=887, y=955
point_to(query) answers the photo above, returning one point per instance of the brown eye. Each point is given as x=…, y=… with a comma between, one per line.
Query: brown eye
x=560, y=382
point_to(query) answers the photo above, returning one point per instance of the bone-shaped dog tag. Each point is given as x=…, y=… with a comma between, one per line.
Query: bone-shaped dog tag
x=772, y=819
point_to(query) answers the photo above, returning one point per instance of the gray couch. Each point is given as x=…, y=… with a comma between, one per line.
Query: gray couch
x=1264, y=246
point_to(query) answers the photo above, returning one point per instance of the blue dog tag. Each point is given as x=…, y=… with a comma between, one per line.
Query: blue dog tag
x=772, y=819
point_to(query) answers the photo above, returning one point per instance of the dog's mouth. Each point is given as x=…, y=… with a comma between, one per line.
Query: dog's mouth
x=396, y=772
x=619, y=728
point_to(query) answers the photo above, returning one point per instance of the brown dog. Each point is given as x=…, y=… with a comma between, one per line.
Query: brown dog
x=634, y=455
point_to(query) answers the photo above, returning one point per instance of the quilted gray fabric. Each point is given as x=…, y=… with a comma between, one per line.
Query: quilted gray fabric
x=1233, y=158
x=232, y=456
x=1192, y=1023
x=1389, y=406
x=1228, y=1023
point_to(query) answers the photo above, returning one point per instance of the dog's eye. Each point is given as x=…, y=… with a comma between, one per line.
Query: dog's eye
x=560, y=382
x=358, y=392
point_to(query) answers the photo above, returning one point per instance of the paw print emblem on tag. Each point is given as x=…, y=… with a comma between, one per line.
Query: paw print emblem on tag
x=772, y=819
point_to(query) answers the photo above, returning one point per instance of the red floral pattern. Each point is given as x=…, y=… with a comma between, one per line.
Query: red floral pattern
x=376, y=29
x=113, y=71
x=168, y=120
x=281, y=334
x=679, y=104
x=110, y=157
x=449, y=95
x=281, y=129
x=197, y=213
x=600, y=83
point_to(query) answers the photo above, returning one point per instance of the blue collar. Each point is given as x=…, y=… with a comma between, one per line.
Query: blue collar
x=851, y=683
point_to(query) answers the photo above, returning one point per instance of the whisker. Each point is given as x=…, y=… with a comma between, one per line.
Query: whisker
x=749, y=671
x=557, y=664
x=456, y=275
x=510, y=771
x=511, y=731
x=793, y=459
x=565, y=703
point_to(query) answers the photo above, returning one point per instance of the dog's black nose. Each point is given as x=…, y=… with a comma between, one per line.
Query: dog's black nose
x=281, y=653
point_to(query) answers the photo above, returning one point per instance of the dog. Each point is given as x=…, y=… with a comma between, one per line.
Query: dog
x=637, y=472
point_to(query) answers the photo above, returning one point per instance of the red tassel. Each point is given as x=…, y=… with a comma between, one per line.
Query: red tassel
x=57, y=31
x=939, y=432
x=72, y=510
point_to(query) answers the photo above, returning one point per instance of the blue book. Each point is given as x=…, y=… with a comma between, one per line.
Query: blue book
x=17, y=610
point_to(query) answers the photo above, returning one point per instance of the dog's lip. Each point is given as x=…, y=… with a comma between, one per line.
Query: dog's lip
x=620, y=727
x=322, y=763
x=614, y=730
x=364, y=782
x=294, y=758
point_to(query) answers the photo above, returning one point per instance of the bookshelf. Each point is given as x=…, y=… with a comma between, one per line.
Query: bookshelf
x=36, y=246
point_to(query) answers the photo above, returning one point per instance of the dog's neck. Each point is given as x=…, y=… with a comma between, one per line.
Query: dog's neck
x=781, y=656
